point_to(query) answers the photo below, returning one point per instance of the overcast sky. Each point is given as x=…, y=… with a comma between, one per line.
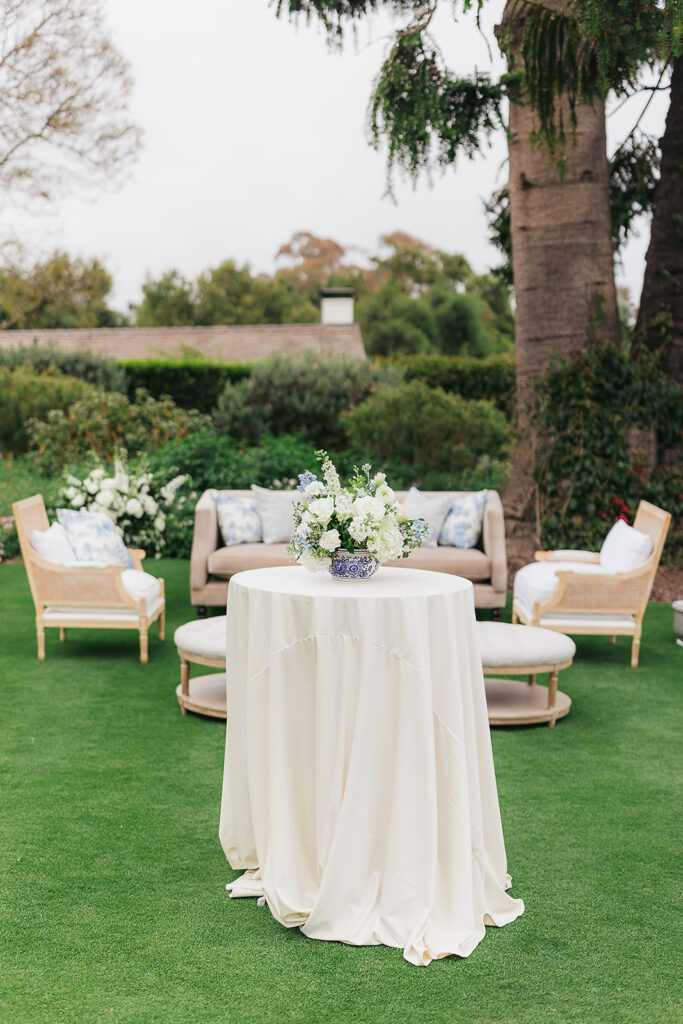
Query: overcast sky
x=254, y=129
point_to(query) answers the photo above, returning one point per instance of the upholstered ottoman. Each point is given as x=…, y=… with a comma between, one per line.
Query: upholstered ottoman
x=202, y=642
x=523, y=650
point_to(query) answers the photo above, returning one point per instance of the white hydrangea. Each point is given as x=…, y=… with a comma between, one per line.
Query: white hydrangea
x=387, y=542
x=106, y=498
x=343, y=506
x=149, y=504
x=134, y=507
x=358, y=530
x=314, y=488
x=330, y=540
x=160, y=522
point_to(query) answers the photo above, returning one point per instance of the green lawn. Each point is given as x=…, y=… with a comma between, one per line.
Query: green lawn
x=113, y=879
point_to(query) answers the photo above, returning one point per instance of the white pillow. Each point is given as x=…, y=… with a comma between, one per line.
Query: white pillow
x=53, y=544
x=276, y=512
x=238, y=519
x=94, y=537
x=462, y=526
x=432, y=510
x=624, y=548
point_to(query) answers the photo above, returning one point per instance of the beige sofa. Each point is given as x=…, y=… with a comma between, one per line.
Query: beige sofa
x=212, y=565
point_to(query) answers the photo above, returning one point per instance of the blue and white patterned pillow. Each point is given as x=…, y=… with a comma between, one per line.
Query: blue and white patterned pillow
x=94, y=537
x=462, y=525
x=238, y=519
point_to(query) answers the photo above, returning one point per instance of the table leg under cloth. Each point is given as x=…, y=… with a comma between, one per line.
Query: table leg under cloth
x=359, y=788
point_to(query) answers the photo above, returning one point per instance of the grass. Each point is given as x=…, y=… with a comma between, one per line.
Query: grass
x=112, y=880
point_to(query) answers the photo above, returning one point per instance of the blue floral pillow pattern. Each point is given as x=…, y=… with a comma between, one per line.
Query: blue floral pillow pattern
x=94, y=537
x=462, y=525
x=238, y=519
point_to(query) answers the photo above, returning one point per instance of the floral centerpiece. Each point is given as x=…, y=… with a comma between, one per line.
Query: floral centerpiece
x=364, y=518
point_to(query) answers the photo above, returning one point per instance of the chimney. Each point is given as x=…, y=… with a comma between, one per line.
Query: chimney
x=336, y=305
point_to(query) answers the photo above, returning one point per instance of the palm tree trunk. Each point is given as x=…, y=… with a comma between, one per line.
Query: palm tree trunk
x=561, y=254
x=660, y=317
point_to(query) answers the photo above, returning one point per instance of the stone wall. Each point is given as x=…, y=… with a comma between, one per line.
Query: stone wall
x=243, y=344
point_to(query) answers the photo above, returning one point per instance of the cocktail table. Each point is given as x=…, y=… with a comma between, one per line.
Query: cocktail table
x=359, y=790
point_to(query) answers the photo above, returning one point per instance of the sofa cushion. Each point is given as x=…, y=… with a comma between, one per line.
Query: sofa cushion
x=463, y=523
x=226, y=561
x=239, y=521
x=276, y=512
x=471, y=563
x=432, y=510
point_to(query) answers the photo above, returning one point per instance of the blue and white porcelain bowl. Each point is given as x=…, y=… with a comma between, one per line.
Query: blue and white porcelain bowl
x=360, y=565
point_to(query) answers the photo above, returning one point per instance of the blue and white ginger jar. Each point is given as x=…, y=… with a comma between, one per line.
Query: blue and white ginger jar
x=360, y=565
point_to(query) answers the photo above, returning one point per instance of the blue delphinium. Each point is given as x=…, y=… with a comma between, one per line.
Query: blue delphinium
x=305, y=479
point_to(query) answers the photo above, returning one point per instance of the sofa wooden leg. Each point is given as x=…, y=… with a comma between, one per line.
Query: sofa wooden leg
x=162, y=626
x=612, y=639
x=635, y=651
x=40, y=633
x=495, y=614
x=62, y=634
x=201, y=611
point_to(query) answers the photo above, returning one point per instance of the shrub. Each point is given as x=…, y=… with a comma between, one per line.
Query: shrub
x=88, y=366
x=303, y=396
x=192, y=384
x=101, y=421
x=428, y=428
x=585, y=471
x=492, y=378
x=26, y=395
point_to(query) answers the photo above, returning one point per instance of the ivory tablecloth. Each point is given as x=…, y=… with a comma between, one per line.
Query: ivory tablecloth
x=358, y=777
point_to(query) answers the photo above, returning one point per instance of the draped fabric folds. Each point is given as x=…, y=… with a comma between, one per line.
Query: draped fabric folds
x=359, y=789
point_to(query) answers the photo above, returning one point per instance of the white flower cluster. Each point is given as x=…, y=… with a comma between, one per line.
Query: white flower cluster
x=131, y=500
x=364, y=515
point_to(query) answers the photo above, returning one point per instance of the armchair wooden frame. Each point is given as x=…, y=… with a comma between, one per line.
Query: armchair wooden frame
x=613, y=605
x=86, y=598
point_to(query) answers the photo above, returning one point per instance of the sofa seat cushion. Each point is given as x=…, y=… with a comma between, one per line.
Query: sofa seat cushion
x=471, y=563
x=227, y=561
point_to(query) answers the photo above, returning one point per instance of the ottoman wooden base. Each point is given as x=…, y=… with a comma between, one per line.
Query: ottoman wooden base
x=511, y=702
x=205, y=696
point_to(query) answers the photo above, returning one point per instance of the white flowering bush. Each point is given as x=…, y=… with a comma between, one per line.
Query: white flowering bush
x=364, y=515
x=133, y=500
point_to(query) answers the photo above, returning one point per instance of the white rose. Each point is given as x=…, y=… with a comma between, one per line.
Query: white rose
x=321, y=509
x=134, y=508
x=330, y=540
x=385, y=494
x=367, y=506
x=315, y=487
x=106, y=498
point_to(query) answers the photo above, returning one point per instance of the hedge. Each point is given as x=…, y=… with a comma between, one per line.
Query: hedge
x=492, y=377
x=192, y=384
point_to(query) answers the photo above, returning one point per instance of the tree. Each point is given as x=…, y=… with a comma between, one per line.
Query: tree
x=63, y=98
x=58, y=292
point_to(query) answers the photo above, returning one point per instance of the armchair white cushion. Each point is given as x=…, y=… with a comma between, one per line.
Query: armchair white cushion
x=625, y=548
x=538, y=581
x=53, y=544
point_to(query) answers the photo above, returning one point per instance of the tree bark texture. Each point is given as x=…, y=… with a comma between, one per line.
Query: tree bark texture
x=659, y=325
x=562, y=256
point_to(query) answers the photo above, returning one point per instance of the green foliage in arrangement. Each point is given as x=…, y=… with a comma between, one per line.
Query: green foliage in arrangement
x=492, y=378
x=102, y=371
x=191, y=383
x=304, y=396
x=101, y=421
x=26, y=395
x=428, y=428
x=585, y=472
